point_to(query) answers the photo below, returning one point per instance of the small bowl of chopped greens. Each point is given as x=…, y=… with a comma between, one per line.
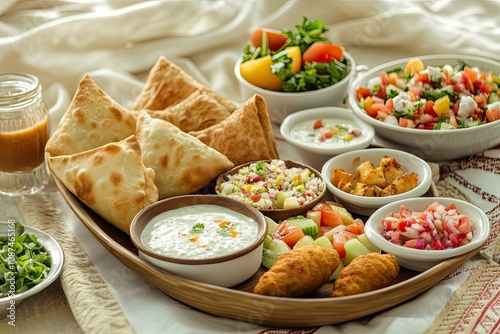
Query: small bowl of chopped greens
x=278, y=188
x=294, y=69
x=30, y=261
x=439, y=107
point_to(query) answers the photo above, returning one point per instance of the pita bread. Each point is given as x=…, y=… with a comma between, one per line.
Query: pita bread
x=167, y=84
x=182, y=163
x=93, y=119
x=196, y=112
x=111, y=180
x=246, y=135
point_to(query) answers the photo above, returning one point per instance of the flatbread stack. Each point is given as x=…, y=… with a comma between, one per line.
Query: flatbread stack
x=92, y=120
x=167, y=84
x=111, y=180
x=174, y=140
x=182, y=163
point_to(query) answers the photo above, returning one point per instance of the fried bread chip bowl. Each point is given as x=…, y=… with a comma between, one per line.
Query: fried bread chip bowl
x=174, y=140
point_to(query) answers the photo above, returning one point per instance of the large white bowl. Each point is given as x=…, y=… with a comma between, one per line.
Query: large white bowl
x=227, y=270
x=57, y=259
x=429, y=144
x=282, y=104
x=331, y=115
x=367, y=205
x=418, y=259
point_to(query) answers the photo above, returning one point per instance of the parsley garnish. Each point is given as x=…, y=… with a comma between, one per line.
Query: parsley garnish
x=197, y=228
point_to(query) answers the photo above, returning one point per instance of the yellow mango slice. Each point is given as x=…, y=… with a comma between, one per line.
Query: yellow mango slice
x=258, y=73
x=442, y=106
x=415, y=64
x=293, y=52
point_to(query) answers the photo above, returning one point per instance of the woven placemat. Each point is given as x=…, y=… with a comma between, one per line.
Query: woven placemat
x=80, y=301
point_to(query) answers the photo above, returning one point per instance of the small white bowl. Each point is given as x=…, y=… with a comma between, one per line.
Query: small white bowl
x=282, y=104
x=367, y=205
x=57, y=259
x=418, y=259
x=330, y=115
x=432, y=145
x=227, y=270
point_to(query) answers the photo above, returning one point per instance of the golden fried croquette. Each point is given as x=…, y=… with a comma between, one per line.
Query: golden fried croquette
x=298, y=272
x=365, y=273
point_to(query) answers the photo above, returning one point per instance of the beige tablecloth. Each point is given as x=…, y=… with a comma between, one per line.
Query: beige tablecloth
x=117, y=42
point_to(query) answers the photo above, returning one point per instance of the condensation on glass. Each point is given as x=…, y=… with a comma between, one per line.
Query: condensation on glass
x=24, y=131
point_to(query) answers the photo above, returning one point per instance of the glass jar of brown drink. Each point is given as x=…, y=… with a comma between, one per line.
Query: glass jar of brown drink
x=24, y=131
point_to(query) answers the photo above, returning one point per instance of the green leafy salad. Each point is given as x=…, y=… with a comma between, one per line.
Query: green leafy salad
x=22, y=257
x=293, y=60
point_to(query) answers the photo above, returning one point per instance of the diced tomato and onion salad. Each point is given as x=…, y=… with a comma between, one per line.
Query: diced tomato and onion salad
x=436, y=228
x=433, y=97
x=293, y=61
x=270, y=185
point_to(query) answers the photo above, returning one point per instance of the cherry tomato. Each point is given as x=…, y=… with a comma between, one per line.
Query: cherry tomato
x=322, y=52
x=275, y=39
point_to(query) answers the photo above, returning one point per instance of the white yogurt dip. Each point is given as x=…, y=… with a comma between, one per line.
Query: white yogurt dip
x=329, y=132
x=201, y=231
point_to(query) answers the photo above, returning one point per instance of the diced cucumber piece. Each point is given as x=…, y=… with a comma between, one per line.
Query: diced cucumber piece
x=367, y=243
x=323, y=242
x=291, y=203
x=315, y=216
x=304, y=241
x=308, y=226
x=354, y=248
x=271, y=225
x=281, y=198
x=392, y=90
x=336, y=273
x=275, y=248
x=267, y=240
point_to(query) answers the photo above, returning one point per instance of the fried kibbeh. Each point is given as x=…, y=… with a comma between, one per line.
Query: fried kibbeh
x=366, y=273
x=298, y=272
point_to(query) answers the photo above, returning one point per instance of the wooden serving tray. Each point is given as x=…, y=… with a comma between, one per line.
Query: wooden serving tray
x=241, y=304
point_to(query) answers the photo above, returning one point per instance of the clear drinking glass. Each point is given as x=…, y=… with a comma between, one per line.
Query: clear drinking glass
x=24, y=131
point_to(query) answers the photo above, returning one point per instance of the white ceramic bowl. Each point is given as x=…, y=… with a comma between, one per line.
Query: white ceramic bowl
x=332, y=116
x=418, y=259
x=367, y=205
x=428, y=144
x=282, y=104
x=226, y=271
x=57, y=259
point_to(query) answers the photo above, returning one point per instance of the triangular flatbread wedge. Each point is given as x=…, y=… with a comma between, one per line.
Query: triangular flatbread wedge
x=93, y=119
x=182, y=163
x=111, y=180
x=246, y=135
x=196, y=112
x=168, y=84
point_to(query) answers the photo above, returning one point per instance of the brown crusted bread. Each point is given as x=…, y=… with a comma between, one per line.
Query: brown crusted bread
x=182, y=163
x=92, y=120
x=198, y=111
x=366, y=273
x=246, y=135
x=167, y=84
x=298, y=272
x=111, y=180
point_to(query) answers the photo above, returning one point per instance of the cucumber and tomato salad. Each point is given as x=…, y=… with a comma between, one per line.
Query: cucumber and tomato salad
x=326, y=225
x=293, y=61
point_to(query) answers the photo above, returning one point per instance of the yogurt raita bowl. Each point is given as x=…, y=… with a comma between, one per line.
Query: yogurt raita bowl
x=206, y=238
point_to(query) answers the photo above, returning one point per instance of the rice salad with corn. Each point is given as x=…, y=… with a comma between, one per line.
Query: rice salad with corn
x=271, y=185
